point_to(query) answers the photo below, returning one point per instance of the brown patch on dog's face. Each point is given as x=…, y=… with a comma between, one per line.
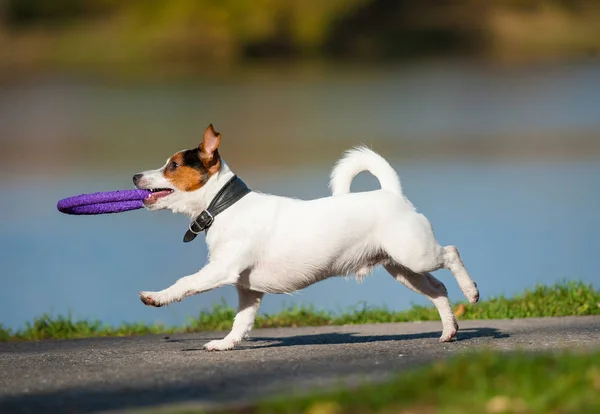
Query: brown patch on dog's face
x=185, y=170
x=189, y=170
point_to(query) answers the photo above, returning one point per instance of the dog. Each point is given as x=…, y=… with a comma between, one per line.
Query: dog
x=265, y=243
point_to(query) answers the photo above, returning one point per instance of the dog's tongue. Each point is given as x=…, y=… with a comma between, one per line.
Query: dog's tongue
x=158, y=194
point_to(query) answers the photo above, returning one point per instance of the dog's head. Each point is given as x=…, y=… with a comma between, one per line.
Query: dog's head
x=180, y=185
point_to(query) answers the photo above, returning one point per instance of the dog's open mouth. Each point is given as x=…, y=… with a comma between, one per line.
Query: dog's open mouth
x=156, y=193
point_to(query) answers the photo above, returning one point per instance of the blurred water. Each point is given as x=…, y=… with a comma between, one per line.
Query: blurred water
x=516, y=223
x=432, y=102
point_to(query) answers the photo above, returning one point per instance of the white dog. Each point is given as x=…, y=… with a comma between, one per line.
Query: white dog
x=269, y=244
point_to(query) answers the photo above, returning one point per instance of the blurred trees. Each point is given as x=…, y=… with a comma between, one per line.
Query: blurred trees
x=194, y=32
x=24, y=13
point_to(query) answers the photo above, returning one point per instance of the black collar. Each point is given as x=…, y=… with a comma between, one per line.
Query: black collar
x=228, y=195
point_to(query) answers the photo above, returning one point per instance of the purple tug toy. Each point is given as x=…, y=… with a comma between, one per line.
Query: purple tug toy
x=103, y=202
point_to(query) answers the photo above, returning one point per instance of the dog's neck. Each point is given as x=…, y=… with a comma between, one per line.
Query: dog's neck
x=199, y=200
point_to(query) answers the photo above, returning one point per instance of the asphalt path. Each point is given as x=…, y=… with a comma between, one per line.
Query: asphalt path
x=112, y=374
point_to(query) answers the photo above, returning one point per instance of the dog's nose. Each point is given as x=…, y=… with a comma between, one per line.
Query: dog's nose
x=136, y=178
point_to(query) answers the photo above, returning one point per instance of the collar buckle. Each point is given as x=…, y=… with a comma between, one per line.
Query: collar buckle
x=228, y=195
x=202, y=222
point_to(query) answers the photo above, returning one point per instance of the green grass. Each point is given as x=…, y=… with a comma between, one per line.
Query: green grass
x=482, y=382
x=562, y=299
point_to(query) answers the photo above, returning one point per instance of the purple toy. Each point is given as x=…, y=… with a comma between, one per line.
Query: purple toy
x=103, y=202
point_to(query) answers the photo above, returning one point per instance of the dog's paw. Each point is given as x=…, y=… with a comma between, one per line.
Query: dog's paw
x=219, y=345
x=473, y=296
x=150, y=299
x=448, y=336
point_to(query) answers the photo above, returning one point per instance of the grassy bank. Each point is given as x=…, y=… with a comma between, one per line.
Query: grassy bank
x=561, y=299
x=482, y=382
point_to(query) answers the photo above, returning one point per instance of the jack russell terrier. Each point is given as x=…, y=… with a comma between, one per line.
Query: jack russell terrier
x=264, y=243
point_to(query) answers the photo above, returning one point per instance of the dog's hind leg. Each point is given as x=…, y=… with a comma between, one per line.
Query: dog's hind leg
x=435, y=291
x=453, y=262
x=249, y=302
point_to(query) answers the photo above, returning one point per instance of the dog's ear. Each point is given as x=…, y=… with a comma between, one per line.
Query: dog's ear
x=209, y=154
x=210, y=142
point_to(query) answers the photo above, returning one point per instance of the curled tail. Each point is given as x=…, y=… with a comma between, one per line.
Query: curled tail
x=360, y=159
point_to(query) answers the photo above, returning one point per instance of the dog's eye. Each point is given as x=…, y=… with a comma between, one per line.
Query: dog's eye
x=173, y=165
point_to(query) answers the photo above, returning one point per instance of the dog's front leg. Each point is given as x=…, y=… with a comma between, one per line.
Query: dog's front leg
x=249, y=302
x=212, y=276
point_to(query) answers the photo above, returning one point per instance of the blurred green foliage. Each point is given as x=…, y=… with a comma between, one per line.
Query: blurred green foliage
x=202, y=33
x=476, y=382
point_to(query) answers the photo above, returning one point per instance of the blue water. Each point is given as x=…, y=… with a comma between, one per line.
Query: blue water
x=516, y=224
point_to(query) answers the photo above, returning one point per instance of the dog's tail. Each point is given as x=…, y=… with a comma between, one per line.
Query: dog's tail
x=360, y=159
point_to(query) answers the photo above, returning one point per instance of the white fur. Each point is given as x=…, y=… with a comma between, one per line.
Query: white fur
x=270, y=244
